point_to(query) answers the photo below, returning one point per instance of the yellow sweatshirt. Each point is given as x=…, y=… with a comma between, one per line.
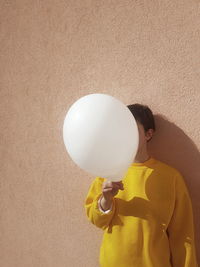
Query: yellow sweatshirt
x=151, y=220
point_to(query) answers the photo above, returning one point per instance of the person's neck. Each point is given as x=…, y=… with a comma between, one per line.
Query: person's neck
x=141, y=156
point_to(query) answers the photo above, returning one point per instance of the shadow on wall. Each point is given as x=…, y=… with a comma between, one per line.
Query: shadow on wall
x=172, y=146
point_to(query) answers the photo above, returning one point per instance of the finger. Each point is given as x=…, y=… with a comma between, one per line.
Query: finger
x=110, y=184
x=119, y=183
x=114, y=186
x=111, y=188
x=107, y=189
x=119, y=186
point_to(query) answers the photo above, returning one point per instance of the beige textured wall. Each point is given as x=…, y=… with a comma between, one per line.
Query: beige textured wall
x=54, y=52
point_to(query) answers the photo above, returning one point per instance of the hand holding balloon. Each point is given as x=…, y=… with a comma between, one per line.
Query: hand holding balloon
x=109, y=190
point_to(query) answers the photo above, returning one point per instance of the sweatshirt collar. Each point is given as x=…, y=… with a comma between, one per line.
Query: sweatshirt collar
x=147, y=163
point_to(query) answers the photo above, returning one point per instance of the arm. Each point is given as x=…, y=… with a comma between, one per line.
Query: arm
x=181, y=229
x=94, y=214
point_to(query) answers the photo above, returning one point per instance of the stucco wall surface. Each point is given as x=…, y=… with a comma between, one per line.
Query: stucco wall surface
x=54, y=52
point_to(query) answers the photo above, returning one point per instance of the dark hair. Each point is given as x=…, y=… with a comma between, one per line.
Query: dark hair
x=144, y=115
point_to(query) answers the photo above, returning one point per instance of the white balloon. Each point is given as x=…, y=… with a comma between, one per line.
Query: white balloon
x=101, y=136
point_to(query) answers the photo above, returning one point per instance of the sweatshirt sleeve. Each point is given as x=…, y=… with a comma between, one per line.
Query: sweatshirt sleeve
x=91, y=205
x=181, y=228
